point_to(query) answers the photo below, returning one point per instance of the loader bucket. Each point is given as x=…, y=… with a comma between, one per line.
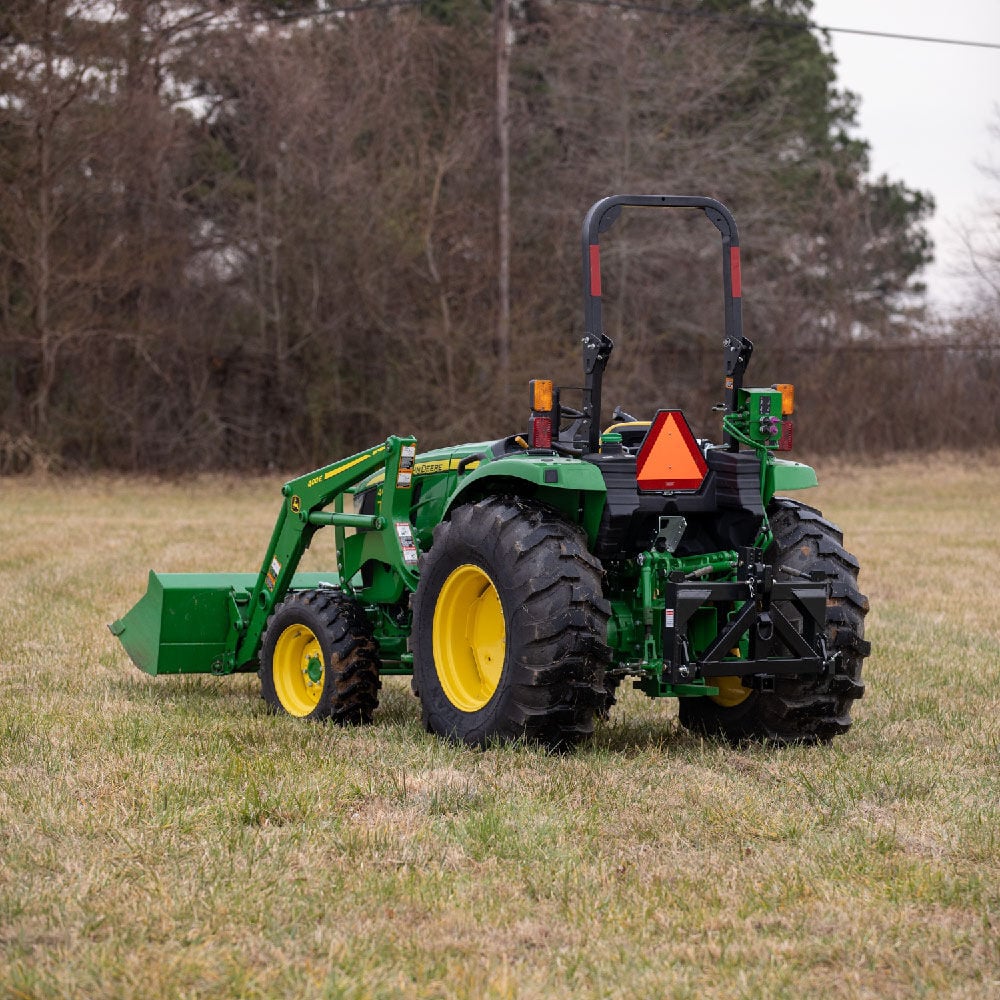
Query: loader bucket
x=182, y=624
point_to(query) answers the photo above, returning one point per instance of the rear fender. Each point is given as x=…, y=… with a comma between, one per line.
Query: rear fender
x=782, y=476
x=569, y=485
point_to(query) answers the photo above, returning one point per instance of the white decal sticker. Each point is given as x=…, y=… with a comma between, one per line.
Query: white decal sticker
x=409, y=548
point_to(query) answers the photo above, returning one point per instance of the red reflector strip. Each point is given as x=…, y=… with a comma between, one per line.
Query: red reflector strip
x=735, y=277
x=785, y=444
x=541, y=432
x=595, y=269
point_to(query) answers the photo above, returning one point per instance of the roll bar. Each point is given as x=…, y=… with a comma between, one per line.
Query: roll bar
x=597, y=345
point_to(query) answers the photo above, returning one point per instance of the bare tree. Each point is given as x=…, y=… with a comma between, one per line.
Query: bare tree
x=234, y=237
x=983, y=244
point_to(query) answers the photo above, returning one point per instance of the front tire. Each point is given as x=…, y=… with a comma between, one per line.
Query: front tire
x=319, y=659
x=800, y=709
x=510, y=627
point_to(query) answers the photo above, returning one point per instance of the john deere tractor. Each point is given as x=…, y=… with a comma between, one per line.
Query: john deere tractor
x=521, y=581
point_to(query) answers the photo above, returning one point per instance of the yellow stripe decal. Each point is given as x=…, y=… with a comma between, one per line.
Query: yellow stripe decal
x=336, y=470
x=427, y=469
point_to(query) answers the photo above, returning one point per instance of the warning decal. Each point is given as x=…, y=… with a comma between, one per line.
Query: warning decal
x=404, y=478
x=406, y=543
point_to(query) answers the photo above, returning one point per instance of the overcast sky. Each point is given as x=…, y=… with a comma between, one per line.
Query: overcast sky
x=926, y=108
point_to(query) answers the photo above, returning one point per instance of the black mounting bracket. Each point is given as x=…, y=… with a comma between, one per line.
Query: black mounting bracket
x=754, y=605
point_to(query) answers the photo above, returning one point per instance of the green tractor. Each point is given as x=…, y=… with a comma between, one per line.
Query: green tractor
x=520, y=581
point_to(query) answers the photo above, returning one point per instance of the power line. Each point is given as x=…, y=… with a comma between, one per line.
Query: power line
x=770, y=22
x=630, y=5
x=911, y=38
x=627, y=5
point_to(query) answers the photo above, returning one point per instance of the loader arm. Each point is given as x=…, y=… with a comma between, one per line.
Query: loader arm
x=390, y=539
x=188, y=623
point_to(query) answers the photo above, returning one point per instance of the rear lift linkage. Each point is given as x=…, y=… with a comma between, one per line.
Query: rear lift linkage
x=748, y=605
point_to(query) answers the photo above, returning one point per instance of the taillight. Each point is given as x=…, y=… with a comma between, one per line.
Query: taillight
x=540, y=432
x=785, y=441
x=543, y=399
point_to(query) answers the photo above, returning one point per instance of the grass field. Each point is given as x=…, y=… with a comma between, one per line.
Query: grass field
x=167, y=838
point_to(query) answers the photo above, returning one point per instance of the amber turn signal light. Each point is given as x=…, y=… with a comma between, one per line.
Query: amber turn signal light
x=787, y=398
x=540, y=394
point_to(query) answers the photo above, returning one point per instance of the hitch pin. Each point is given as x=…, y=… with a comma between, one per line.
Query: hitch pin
x=794, y=572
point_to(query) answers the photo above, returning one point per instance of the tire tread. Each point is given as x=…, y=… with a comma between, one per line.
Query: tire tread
x=350, y=695
x=557, y=649
x=802, y=710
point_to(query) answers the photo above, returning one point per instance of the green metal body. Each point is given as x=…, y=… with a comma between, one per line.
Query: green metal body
x=213, y=623
x=185, y=622
x=384, y=503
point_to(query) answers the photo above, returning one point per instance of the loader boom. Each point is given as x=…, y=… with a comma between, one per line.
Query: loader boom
x=302, y=514
x=213, y=622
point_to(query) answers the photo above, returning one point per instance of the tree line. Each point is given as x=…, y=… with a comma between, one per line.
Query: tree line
x=253, y=234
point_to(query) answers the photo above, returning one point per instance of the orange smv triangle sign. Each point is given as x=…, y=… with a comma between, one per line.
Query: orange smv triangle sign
x=670, y=458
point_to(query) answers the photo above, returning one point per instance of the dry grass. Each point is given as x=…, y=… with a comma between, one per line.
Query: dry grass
x=165, y=837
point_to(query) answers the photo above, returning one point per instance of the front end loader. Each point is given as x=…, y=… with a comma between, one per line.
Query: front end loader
x=520, y=581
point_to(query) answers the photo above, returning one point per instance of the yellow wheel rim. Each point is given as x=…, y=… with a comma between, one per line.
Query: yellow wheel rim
x=298, y=670
x=731, y=691
x=470, y=638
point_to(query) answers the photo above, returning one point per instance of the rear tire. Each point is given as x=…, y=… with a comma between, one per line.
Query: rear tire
x=799, y=710
x=510, y=627
x=319, y=659
x=610, y=699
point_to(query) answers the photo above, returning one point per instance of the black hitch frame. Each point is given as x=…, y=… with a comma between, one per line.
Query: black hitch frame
x=753, y=604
